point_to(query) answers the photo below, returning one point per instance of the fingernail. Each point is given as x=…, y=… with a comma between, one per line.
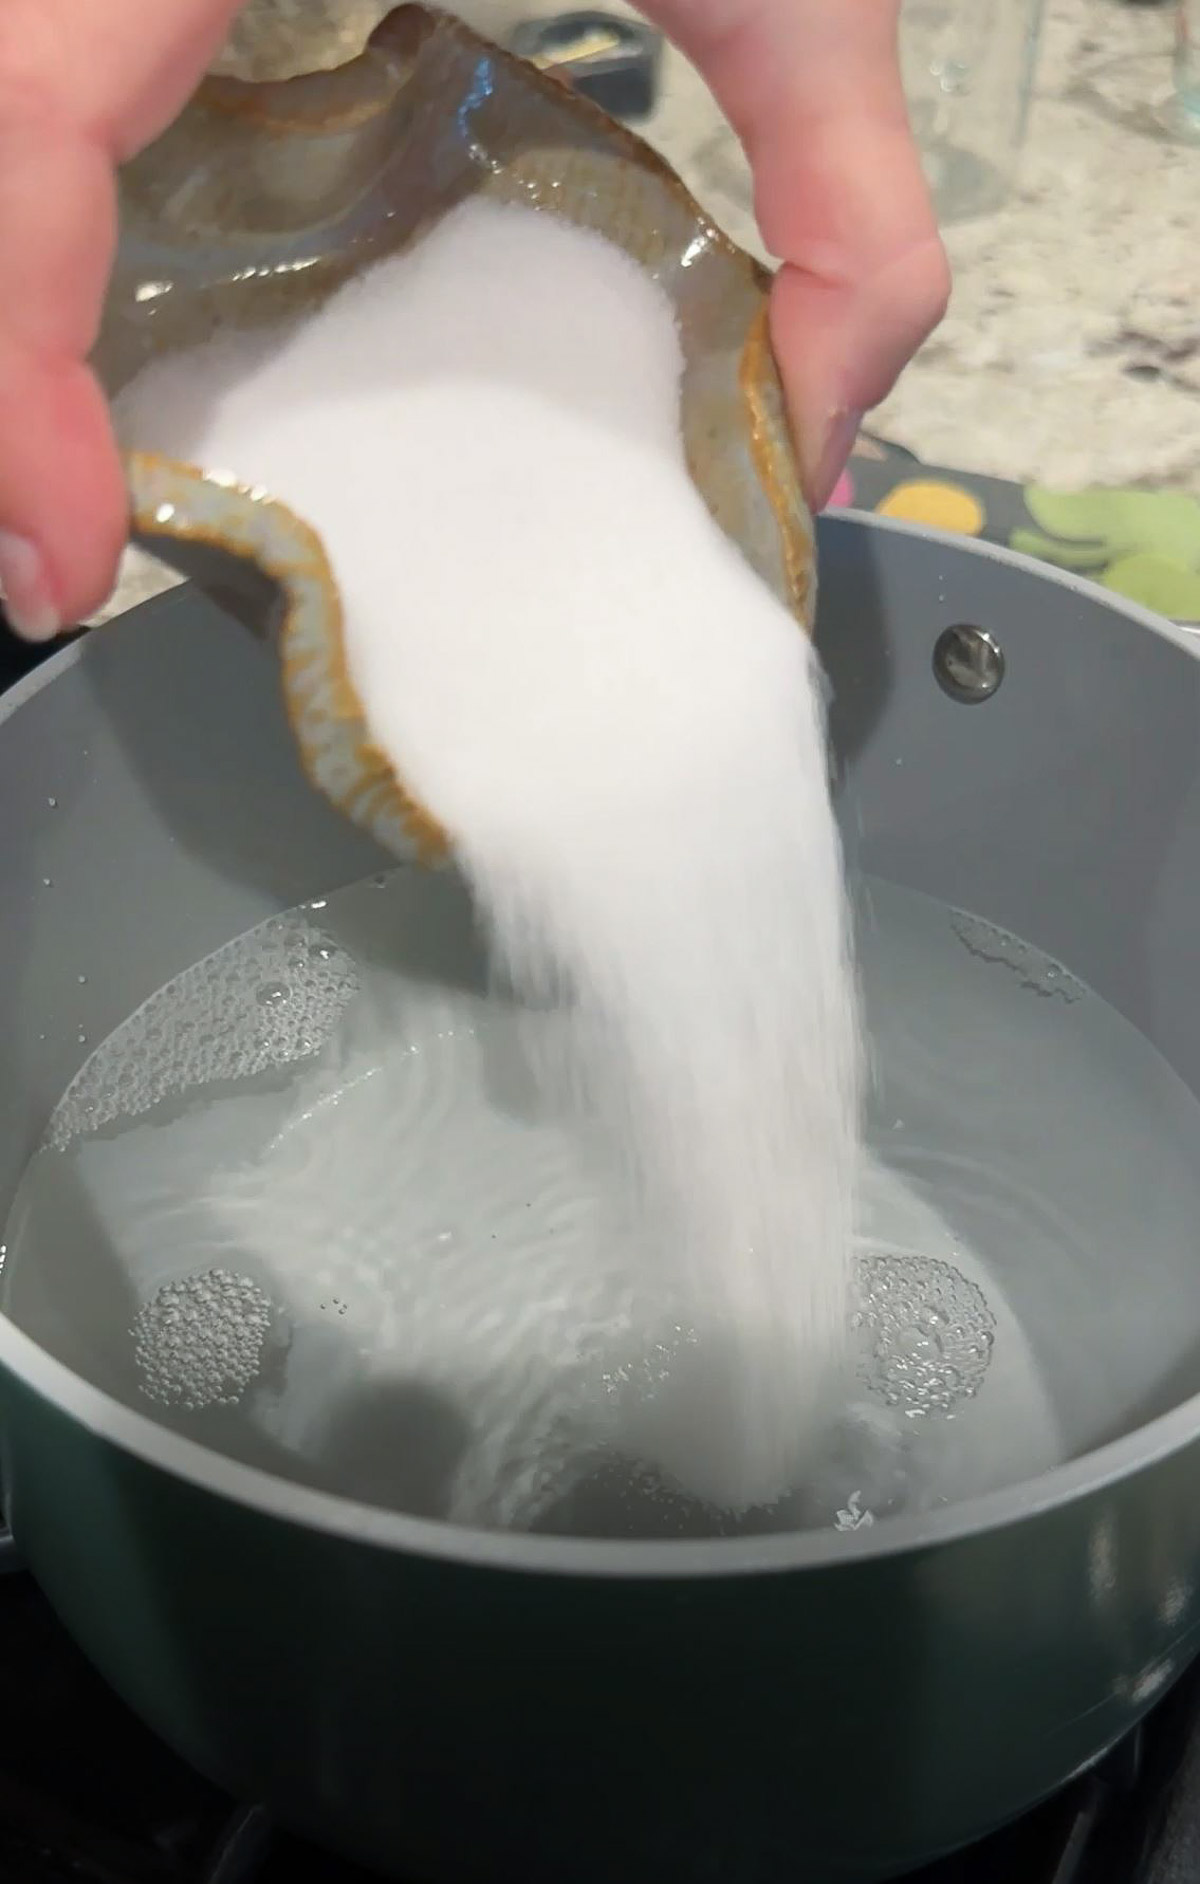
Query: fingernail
x=830, y=458
x=25, y=589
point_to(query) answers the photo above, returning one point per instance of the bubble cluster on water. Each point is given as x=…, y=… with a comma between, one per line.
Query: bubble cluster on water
x=1032, y=968
x=268, y=999
x=925, y=1332
x=198, y=1341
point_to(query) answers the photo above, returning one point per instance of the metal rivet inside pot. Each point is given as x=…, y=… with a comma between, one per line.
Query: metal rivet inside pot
x=967, y=664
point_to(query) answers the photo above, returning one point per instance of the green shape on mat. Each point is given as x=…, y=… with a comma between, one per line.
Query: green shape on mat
x=1088, y=556
x=1156, y=584
x=1095, y=529
x=1144, y=545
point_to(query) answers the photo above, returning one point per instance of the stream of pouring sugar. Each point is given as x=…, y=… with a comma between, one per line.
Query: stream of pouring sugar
x=622, y=730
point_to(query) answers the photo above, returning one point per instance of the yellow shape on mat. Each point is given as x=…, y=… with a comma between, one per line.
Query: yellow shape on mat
x=941, y=506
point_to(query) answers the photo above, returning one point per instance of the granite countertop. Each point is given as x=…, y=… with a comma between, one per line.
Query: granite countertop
x=1071, y=352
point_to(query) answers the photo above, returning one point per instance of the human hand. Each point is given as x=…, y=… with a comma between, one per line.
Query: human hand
x=811, y=86
x=83, y=85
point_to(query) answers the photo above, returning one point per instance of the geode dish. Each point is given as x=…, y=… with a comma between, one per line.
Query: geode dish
x=262, y=199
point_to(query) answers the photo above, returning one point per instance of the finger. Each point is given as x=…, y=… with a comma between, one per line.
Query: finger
x=117, y=69
x=813, y=89
x=842, y=344
x=82, y=84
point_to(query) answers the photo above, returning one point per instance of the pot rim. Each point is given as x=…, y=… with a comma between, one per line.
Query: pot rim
x=634, y=1559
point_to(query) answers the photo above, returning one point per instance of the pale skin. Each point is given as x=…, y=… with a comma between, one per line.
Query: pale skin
x=811, y=86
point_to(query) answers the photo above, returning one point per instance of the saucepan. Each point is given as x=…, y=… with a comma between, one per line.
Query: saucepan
x=464, y=1705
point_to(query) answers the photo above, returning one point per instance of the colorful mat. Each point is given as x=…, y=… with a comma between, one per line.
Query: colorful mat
x=1144, y=545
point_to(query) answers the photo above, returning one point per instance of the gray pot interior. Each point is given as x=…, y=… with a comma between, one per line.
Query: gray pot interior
x=155, y=808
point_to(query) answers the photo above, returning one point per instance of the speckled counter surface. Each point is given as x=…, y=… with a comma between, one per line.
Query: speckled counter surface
x=1071, y=354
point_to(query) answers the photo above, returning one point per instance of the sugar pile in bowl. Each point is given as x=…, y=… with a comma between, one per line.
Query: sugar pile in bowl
x=622, y=731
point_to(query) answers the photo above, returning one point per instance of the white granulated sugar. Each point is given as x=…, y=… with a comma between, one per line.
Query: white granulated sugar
x=622, y=730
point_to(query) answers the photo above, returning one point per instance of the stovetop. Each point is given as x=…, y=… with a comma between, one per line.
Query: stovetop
x=89, y=1796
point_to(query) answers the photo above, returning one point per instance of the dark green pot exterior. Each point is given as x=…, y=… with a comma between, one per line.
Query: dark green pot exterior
x=449, y=1722
x=806, y=1716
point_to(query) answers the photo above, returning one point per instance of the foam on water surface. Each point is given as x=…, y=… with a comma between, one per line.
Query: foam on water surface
x=235, y=1014
x=198, y=1342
